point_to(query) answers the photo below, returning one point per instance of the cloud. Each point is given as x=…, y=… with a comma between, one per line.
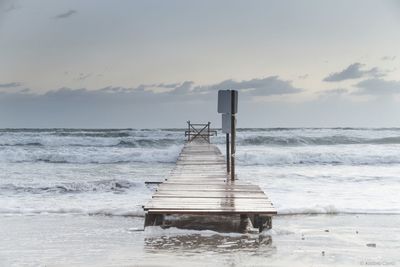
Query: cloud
x=388, y=58
x=167, y=93
x=10, y=85
x=10, y=8
x=302, y=77
x=353, y=71
x=143, y=107
x=67, y=14
x=146, y=105
x=338, y=91
x=378, y=87
x=271, y=85
x=83, y=76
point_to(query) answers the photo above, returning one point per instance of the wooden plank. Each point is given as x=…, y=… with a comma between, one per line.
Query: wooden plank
x=207, y=186
x=221, y=194
x=212, y=212
x=199, y=184
x=207, y=202
x=191, y=190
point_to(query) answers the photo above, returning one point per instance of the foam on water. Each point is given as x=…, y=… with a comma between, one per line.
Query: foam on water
x=102, y=171
x=84, y=155
x=76, y=211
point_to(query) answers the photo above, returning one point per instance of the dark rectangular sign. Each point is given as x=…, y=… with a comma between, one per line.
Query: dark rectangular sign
x=225, y=101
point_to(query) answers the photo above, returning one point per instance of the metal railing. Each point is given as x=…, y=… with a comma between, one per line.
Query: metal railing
x=199, y=131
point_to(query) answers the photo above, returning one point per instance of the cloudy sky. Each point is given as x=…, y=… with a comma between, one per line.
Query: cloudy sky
x=152, y=64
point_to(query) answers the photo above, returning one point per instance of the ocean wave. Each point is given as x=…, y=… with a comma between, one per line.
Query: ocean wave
x=279, y=157
x=116, y=186
x=75, y=211
x=135, y=143
x=164, y=142
x=104, y=134
x=28, y=143
x=94, y=155
x=307, y=141
x=332, y=210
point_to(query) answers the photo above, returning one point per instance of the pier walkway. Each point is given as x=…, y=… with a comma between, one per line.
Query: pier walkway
x=199, y=185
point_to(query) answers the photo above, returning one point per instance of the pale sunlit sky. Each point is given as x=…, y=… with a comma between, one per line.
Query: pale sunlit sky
x=152, y=64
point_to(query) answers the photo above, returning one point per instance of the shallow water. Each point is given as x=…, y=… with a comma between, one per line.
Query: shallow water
x=296, y=240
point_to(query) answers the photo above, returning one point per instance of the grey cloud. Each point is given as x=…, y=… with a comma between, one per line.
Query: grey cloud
x=338, y=91
x=143, y=109
x=183, y=89
x=137, y=107
x=25, y=90
x=83, y=76
x=378, y=87
x=388, y=58
x=10, y=8
x=65, y=15
x=353, y=71
x=186, y=90
x=10, y=85
x=170, y=85
x=117, y=106
x=271, y=85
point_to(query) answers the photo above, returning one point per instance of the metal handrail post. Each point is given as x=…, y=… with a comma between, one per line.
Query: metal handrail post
x=188, y=122
x=208, y=132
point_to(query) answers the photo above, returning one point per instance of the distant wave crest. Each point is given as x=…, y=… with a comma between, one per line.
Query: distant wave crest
x=72, y=188
x=306, y=141
x=280, y=157
x=95, y=155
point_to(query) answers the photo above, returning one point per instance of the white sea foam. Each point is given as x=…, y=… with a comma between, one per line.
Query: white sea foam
x=80, y=155
x=104, y=211
x=341, y=154
x=304, y=171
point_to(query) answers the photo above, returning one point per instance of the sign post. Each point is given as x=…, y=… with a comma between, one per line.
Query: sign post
x=233, y=133
x=227, y=154
x=226, y=128
x=227, y=105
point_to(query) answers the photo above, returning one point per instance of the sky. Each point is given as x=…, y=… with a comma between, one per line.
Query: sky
x=157, y=64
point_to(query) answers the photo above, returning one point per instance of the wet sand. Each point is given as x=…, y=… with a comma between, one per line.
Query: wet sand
x=296, y=240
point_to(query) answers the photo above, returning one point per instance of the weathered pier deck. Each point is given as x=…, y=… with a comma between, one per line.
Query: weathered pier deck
x=199, y=185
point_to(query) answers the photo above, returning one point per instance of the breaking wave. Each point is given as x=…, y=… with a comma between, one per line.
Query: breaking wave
x=77, y=211
x=91, y=142
x=94, y=155
x=116, y=186
x=307, y=141
x=332, y=210
x=279, y=158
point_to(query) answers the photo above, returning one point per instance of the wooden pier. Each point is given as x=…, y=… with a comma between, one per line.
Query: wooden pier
x=200, y=185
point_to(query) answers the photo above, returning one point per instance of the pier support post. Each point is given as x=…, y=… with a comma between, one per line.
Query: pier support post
x=153, y=219
x=227, y=154
x=246, y=225
x=261, y=222
x=188, y=122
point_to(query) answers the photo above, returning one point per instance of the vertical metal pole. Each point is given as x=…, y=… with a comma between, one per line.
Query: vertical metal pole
x=227, y=154
x=208, y=132
x=188, y=122
x=233, y=135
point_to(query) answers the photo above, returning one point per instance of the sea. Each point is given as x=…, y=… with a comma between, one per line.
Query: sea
x=79, y=177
